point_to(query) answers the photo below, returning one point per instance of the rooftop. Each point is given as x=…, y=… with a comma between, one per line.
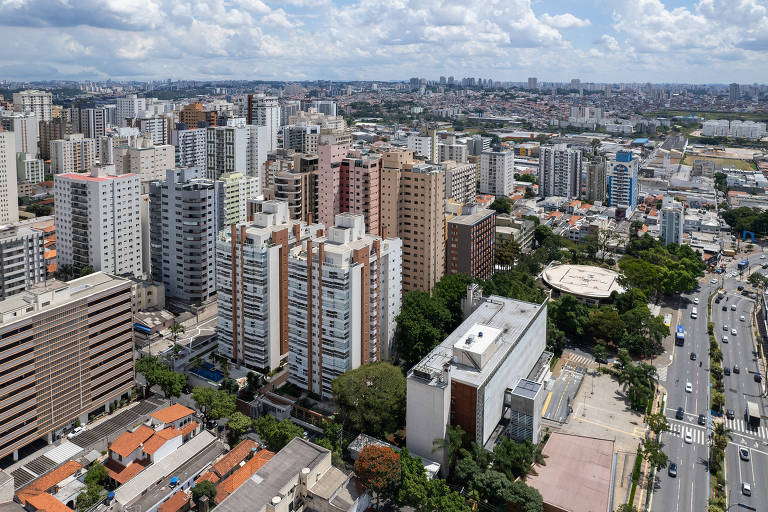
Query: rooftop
x=173, y=413
x=234, y=457
x=130, y=441
x=473, y=218
x=47, y=481
x=243, y=473
x=577, y=476
x=582, y=280
x=175, y=502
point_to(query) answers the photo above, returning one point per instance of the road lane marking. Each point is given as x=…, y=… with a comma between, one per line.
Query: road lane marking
x=546, y=404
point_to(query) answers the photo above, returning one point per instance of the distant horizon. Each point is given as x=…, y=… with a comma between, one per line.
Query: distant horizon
x=610, y=41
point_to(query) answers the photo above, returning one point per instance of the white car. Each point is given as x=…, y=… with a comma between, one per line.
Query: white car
x=688, y=387
x=713, y=281
x=725, y=339
x=733, y=332
x=688, y=438
x=746, y=489
x=762, y=256
x=696, y=300
x=741, y=318
x=725, y=327
x=733, y=307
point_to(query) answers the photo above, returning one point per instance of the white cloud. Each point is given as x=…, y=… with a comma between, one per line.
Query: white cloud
x=566, y=20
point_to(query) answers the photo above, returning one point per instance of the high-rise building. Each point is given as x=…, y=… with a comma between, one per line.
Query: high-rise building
x=734, y=93
x=252, y=284
x=68, y=350
x=460, y=181
x=129, y=107
x=412, y=208
x=288, y=108
x=596, y=181
x=39, y=102
x=497, y=172
x=144, y=159
x=185, y=216
x=264, y=110
x=190, y=147
x=672, y=220
x=9, y=202
x=91, y=122
x=623, y=186
x=236, y=191
x=158, y=128
x=326, y=107
x=193, y=116
x=470, y=242
x=29, y=169
x=22, y=258
x=451, y=151
x=74, y=153
x=25, y=128
x=344, y=294
x=533, y=83
x=98, y=221
x=293, y=179
x=227, y=149
x=55, y=129
x=559, y=172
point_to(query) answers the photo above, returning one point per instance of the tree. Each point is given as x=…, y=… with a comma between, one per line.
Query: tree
x=238, y=424
x=176, y=329
x=156, y=373
x=758, y=280
x=371, y=399
x=39, y=210
x=595, y=144
x=653, y=453
x=172, y=383
x=626, y=507
x=657, y=422
x=204, y=488
x=502, y=204
x=570, y=316
x=229, y=385
x=600, y=353
x=97, y=475
x=449, y=290
x=454, y=439
x=514, y=459
x=606, y=324
x=506, y=253
x=275, y=433
x=421, y=325
x=213, y=403
x=92, y=494
x=378, y=469
x=514, y=284
x=541, y=234
x=86, y=270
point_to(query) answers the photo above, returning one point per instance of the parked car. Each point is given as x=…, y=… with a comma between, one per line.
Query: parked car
x=725, y=339
x=702, y=419
x=727, y=370
x=740, y=287
x=733, y=307
x=758, y=377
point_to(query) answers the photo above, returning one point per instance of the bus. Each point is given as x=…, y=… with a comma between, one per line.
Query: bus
x=680, y=336
x=753, y=415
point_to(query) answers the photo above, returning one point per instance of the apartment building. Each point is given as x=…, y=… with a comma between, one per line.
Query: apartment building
x=497, y=172
x=145, y=159
x=26, y=128
x=39, y=102
x=623, y=185
x=185, y=216
x=672, y=221
x=460, y=181
x=190, y=147
x=237, y=147
x=252, y=285
x=344, y=293
x=22, y=258
x=596, y=181
x=451, y=151
x=74, y=153
x=91, y=122
x=55, y=129
x=292, y=177
x=9, y=203
x=68, y=351
x=98, y=221
x=158, y=128
x=559, y=172
x=236, y=191
x=326, y=107
x=193, y=116
x=29, y=169
x=470, y=242
x=412, y=208
x=129, y=107
x=264, y=110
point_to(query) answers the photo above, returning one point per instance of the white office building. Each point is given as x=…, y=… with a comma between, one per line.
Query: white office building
x=25, y=127
x=9, y=202
x=672, y=221
x=252, y=285
x=129, y=107
x=497, y=172
x=265, y=111
x=22, y=258
x=344, y=294
x=39, y=102
x=326, y=107
x=98, y=221
x=559, y=172
x=29, y=168
x=454, y=152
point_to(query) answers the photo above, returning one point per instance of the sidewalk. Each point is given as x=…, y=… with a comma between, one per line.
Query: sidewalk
x=645, y=480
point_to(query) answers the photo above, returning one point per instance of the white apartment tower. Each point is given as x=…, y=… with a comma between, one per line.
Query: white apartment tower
x=559, y=171
x=252, y=285
x=98, y=221
x=672, y=220
x=145, y=159
x=22, y=258
x=39, y=102
x=74, y=153
x=497, y=172
x=460, y=181
x=190, y=147
x=9, y=205
x=26, y=127
x=265, y=111
x=129, y=107
x=344, y=294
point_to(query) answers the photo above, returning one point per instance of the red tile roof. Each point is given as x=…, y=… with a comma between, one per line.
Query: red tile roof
x=130, y=471
x=234, y=457
x=48, y=480
x=175, y=503
x=243, y=473
x=209, y=476
x=154, y=443
x=47, y=503
x=189, y=427
x=129, y=441
x=172, y=413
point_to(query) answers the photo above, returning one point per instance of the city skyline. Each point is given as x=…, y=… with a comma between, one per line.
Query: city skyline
x=607, y=41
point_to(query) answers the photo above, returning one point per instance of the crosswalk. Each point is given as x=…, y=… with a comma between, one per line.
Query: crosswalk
x=698, y=435
x=740, y=426
x=662, y=373
x=580, y=360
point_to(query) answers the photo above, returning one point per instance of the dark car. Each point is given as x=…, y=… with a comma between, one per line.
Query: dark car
x=725, y=308
x=601, y=360
x=765, y=265
x=758, y=377
x=730, y=414
x=672, y=469
x=727, y=370
x=717, y=300
x=680, y=414
x=740, y=287
x=693, y=356
x=702, y=419
x=736, y=369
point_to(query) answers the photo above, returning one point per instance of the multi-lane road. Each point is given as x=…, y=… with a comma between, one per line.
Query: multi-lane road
x=689, y=489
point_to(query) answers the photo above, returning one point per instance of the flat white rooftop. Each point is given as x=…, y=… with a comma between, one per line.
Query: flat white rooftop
x=583, y=280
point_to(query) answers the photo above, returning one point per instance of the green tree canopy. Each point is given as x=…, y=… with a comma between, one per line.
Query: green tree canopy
x=276, y=433
x=156, y=373
x=237, y=424
x=213, y=403
x=502, y=204
x=204, y=488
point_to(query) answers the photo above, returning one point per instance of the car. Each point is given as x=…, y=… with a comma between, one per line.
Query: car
x=74, y=432
x=688, y=438
x=693, y=356
x=762, y=256
x=733, y=332
x=702, y=420
x=717, y=301
x=740, y=287
x=741, y=318
x=725, y=327
x=746, y=489
x=688, y=387
x=695, y=300
x=752, y=295
x=713, y=281
x=743, y=453
x=765, y=265
x=601, y=360
x=725, y=308
x=680, y=414
x=672, y=470
x=725, y=338
x=727, y=370
x=730, y=414
x=736, y=369
x=758, y=377
x=733, y=307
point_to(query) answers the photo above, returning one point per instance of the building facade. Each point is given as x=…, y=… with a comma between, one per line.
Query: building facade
x=559, y=172
x=26, y=128
x=190, y=147
x=470, y=244
x=460, y=181
x=39, y=102
x=265, y=111
x=9, y=202
x=129, y=107
x=74, y=153
x=672, y=221
x=55, y=129
x=70, y=353
x=623, y=185
x=596, y=181
x=22, y=259
x=144, y=159
x=98, y=221
x=497, y=172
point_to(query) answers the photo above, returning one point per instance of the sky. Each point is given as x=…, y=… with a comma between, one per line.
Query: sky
x=704, y=41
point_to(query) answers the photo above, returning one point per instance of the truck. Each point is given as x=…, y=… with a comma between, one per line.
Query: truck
x=753, y=415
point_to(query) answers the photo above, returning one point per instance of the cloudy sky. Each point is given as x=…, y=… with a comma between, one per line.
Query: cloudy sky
x=555, y=40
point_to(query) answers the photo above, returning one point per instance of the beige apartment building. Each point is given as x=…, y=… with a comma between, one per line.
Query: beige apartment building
x=413, y=209
x=74, y=153
x=66, y=350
